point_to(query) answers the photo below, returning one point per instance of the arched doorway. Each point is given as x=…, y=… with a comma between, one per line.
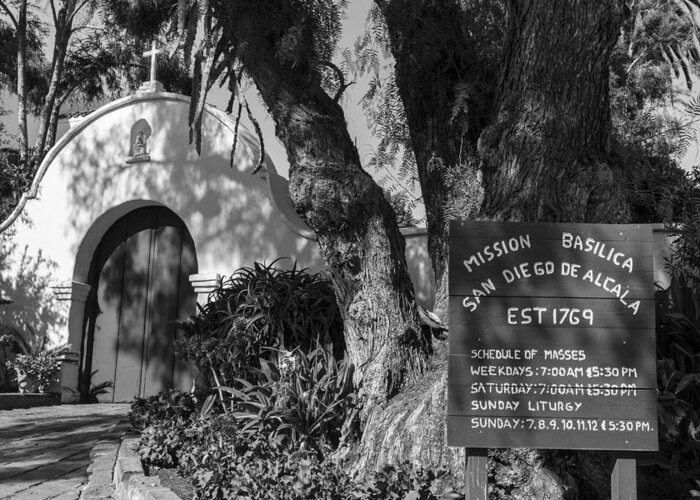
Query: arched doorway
x=139, y=287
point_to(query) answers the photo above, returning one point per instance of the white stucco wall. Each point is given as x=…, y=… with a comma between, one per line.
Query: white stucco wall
x=85, y=185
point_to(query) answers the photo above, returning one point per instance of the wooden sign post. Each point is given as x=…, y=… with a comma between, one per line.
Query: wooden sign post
x=552, y=342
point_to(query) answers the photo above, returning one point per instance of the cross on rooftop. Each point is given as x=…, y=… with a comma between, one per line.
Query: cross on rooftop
x=153, y=53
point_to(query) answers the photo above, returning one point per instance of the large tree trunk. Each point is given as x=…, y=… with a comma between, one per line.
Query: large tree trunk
x=356, y=228
x=442, y=49
x=544, y=156
x=546, y=153
x=436, y=50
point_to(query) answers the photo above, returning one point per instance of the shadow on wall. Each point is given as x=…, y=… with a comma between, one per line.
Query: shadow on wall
x=139, y=288
x=226, y=208
x=24, y=278
x=34, y=312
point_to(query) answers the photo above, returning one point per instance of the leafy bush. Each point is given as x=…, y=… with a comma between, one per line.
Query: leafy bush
x=169, y=405
x=686, y=256
x=263, y=468
x=162, y=441
x=226, y=463
x=678, y=371
x=256, y=308
x=307, y=398
x=402, y=481
x=15, y=178
x=164, y=420
x=38, y=369
x=225, y=460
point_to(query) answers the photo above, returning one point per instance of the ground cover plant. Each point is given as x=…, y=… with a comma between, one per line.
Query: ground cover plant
x=225, y=459
x=289, y=403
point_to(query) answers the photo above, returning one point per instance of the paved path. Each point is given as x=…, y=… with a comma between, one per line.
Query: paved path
x=45, y=451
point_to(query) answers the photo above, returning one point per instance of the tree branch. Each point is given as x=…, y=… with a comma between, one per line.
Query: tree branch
x=53, y=12
x=235, y=132
x=76, y=10
x=629, y=68
x=341, y=79
x=21, y=81
x=7, y=10
x=256, y=125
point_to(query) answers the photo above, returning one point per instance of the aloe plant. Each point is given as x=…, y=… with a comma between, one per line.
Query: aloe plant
x=309, y=401
x=256, y=308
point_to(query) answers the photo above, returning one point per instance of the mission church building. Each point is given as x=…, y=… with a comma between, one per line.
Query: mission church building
x=141, y=227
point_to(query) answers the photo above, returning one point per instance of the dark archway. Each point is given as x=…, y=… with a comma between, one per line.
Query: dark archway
x=139, y=287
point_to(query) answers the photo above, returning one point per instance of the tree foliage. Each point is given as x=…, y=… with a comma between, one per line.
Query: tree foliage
x=86, y=53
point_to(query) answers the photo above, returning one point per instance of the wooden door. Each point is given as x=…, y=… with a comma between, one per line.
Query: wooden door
x=139, y=276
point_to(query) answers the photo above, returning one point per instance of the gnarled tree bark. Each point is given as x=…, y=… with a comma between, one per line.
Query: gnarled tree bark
x=546, y=152
x=436, y=51
x=544, y=156
x=355, y=226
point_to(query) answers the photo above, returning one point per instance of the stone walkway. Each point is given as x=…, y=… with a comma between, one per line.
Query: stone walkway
x=45, y=451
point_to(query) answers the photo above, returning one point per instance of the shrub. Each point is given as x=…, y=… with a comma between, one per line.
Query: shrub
x=678, y=372
x=403, y=208
x=162, y=440
x=38, y=369
x=164, y=421
x=263, y=468
x=223, y=460
x=306, y=398
x=225, y=463
x=169, y=405
x=404, y=481
x=686, y=255
x=257, y=308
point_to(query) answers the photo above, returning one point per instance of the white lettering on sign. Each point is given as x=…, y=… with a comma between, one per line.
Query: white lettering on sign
x=606, y=390
x=502, y=371
x=491, y=388
x=496, y=423
x=565, y=354
x=524, y=270
x=611, y=286
x=494, y=405
x=473, y=301
x=569, y=269
x=495, y=354
x=554, y=406
x=562, y=424
x=597, y=248
x=496, y=250
x=542, y=315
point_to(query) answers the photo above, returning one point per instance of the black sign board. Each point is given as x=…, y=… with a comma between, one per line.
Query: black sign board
x=551, y=336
